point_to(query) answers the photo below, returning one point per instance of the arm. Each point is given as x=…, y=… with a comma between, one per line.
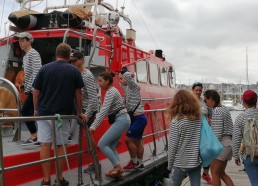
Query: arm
x=237, y=137
x=174, y=136
x=217, y=123
x=36, y=94
x=36, y=64
x=78, y=102
x=89, y=83
x=109, y=97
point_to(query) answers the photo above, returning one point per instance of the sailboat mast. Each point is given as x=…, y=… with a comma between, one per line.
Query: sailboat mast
x=247, y=78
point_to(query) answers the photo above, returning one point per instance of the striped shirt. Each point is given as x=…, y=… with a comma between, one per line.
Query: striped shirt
x=204, y=108
x=31, y=65
x=132, y=94
x=89, y=92
x=221, y=122
x=239, y=130
x=112, y=103
x=184, y=143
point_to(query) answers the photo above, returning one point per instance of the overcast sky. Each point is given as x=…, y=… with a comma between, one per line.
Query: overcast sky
x=205, y=40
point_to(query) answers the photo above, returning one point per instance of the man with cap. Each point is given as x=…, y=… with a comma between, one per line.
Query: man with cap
x=251, y=166
x=90, y=96
x=31, y=65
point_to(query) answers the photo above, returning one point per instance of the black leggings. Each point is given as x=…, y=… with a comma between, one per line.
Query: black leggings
x=28, y=110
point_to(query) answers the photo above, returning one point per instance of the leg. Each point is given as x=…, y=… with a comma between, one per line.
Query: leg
x=226, y=179
x=44, y=154
x=206, y=176
x=131, y=147
x=28, y=110
x=252, y=169
x=134, y=137
x=112, y=135
x=177, y=177
x=61, y=162
x=195, y=176
x=215, y=172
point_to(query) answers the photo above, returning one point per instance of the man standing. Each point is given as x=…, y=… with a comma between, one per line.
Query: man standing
x=57, y=85
x=31, y=65
x=245, y=131
x=135, y=109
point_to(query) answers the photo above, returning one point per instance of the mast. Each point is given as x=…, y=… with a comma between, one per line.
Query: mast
x=247, y=78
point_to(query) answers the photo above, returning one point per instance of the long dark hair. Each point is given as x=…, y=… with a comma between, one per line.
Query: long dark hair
x=108, y=76
x=213, y=94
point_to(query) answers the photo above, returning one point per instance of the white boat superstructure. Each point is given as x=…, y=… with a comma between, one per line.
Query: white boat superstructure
x=229, y=104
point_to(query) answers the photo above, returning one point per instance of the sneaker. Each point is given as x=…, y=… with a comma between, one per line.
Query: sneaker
x=130, y=166
x=30, y=141
x=207, y=178
x=63, y=182
x=70, y=139
x=91, y=169
x=37, y=144
x=45, y=183
x=140, y=167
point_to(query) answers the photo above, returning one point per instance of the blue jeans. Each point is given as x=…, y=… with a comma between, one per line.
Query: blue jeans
x=178, y=174
x=252, y=169
x=110, y=139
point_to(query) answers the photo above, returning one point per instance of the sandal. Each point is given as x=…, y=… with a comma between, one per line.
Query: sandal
x=115, y=173
x=45, y=183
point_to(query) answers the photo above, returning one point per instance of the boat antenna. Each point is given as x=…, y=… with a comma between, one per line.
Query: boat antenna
x=145, y=24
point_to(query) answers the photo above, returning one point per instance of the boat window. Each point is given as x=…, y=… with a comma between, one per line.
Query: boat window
x=141, y=70
x=172, y=77
x=163, y=76
x=154, y=74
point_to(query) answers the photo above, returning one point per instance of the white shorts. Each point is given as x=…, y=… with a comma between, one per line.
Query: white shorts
x=45, y=132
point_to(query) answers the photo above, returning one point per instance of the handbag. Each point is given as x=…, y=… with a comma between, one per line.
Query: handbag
x=210, y=146
x=112, y=117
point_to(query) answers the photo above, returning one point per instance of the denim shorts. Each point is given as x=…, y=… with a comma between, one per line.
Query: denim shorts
x=137, y=127
x=45, y=134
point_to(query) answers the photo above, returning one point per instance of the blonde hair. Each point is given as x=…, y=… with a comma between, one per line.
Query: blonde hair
x=184, y=104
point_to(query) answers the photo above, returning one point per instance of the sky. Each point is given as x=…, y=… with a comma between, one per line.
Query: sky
x=206, y=41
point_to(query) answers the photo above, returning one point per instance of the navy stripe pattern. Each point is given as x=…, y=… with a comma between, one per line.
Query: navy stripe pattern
x=132, y=94
x=184, y=143
x=112, y=103
x=31, y=65
x=89, y=92
x=221, y=122
x=239, y=130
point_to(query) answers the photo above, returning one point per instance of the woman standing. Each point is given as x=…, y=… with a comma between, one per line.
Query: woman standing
x=184, y=138
x=222, y=126
x=197, y=90
x=112, y=105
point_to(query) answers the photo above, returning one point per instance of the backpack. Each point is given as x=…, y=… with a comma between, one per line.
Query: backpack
x=250, y=136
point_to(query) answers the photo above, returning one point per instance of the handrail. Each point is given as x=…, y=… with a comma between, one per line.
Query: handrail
x=18, y=101
x=56, y=156
x=94, y=46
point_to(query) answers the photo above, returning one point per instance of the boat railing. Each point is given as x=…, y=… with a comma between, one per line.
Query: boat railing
x=155, y=123
x=14, y=90
x=90, y=150
x=111, y=51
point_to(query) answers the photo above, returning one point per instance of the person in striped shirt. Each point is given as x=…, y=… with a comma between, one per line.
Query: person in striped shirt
x=89, y=91
x=184, y=138
x=197, y=90
x=222, y=126
x=31, y=65
x=112, y=105
x=249, y=101
x=134, y=134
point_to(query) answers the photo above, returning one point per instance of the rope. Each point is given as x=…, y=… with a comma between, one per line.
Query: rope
x=145, y=24
x=59, y=125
